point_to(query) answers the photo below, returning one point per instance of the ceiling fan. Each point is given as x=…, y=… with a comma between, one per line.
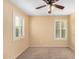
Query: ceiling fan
x=51, y=4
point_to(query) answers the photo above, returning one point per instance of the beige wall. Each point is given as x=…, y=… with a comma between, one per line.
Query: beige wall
x=42, y=34
x=13, y=48
x=72, y=31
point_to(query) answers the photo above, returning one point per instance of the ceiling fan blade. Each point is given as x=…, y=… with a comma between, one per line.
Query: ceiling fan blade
x=59, y=6
x=45, y=1
x=41, y=6
x=53, y=1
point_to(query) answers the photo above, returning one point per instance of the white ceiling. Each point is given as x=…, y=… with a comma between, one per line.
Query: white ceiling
x=28, y=6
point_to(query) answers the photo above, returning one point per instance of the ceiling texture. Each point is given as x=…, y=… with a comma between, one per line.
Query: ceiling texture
x=28, y=6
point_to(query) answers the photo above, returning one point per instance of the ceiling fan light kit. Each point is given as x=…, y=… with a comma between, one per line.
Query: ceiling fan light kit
x=51, y=5
x=50, y=8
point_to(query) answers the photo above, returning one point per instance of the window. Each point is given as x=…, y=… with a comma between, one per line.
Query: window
x=60, y=29
x=18, y=26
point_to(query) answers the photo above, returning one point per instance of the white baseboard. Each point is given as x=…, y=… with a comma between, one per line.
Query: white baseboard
x=20, y=53
x=48, y=45
x=72, y=48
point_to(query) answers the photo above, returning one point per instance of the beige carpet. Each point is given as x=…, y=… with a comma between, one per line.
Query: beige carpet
x=47, y=53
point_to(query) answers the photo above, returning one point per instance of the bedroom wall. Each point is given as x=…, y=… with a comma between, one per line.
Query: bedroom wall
x=14, y=48
x=42, y=34
x=72, y=31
